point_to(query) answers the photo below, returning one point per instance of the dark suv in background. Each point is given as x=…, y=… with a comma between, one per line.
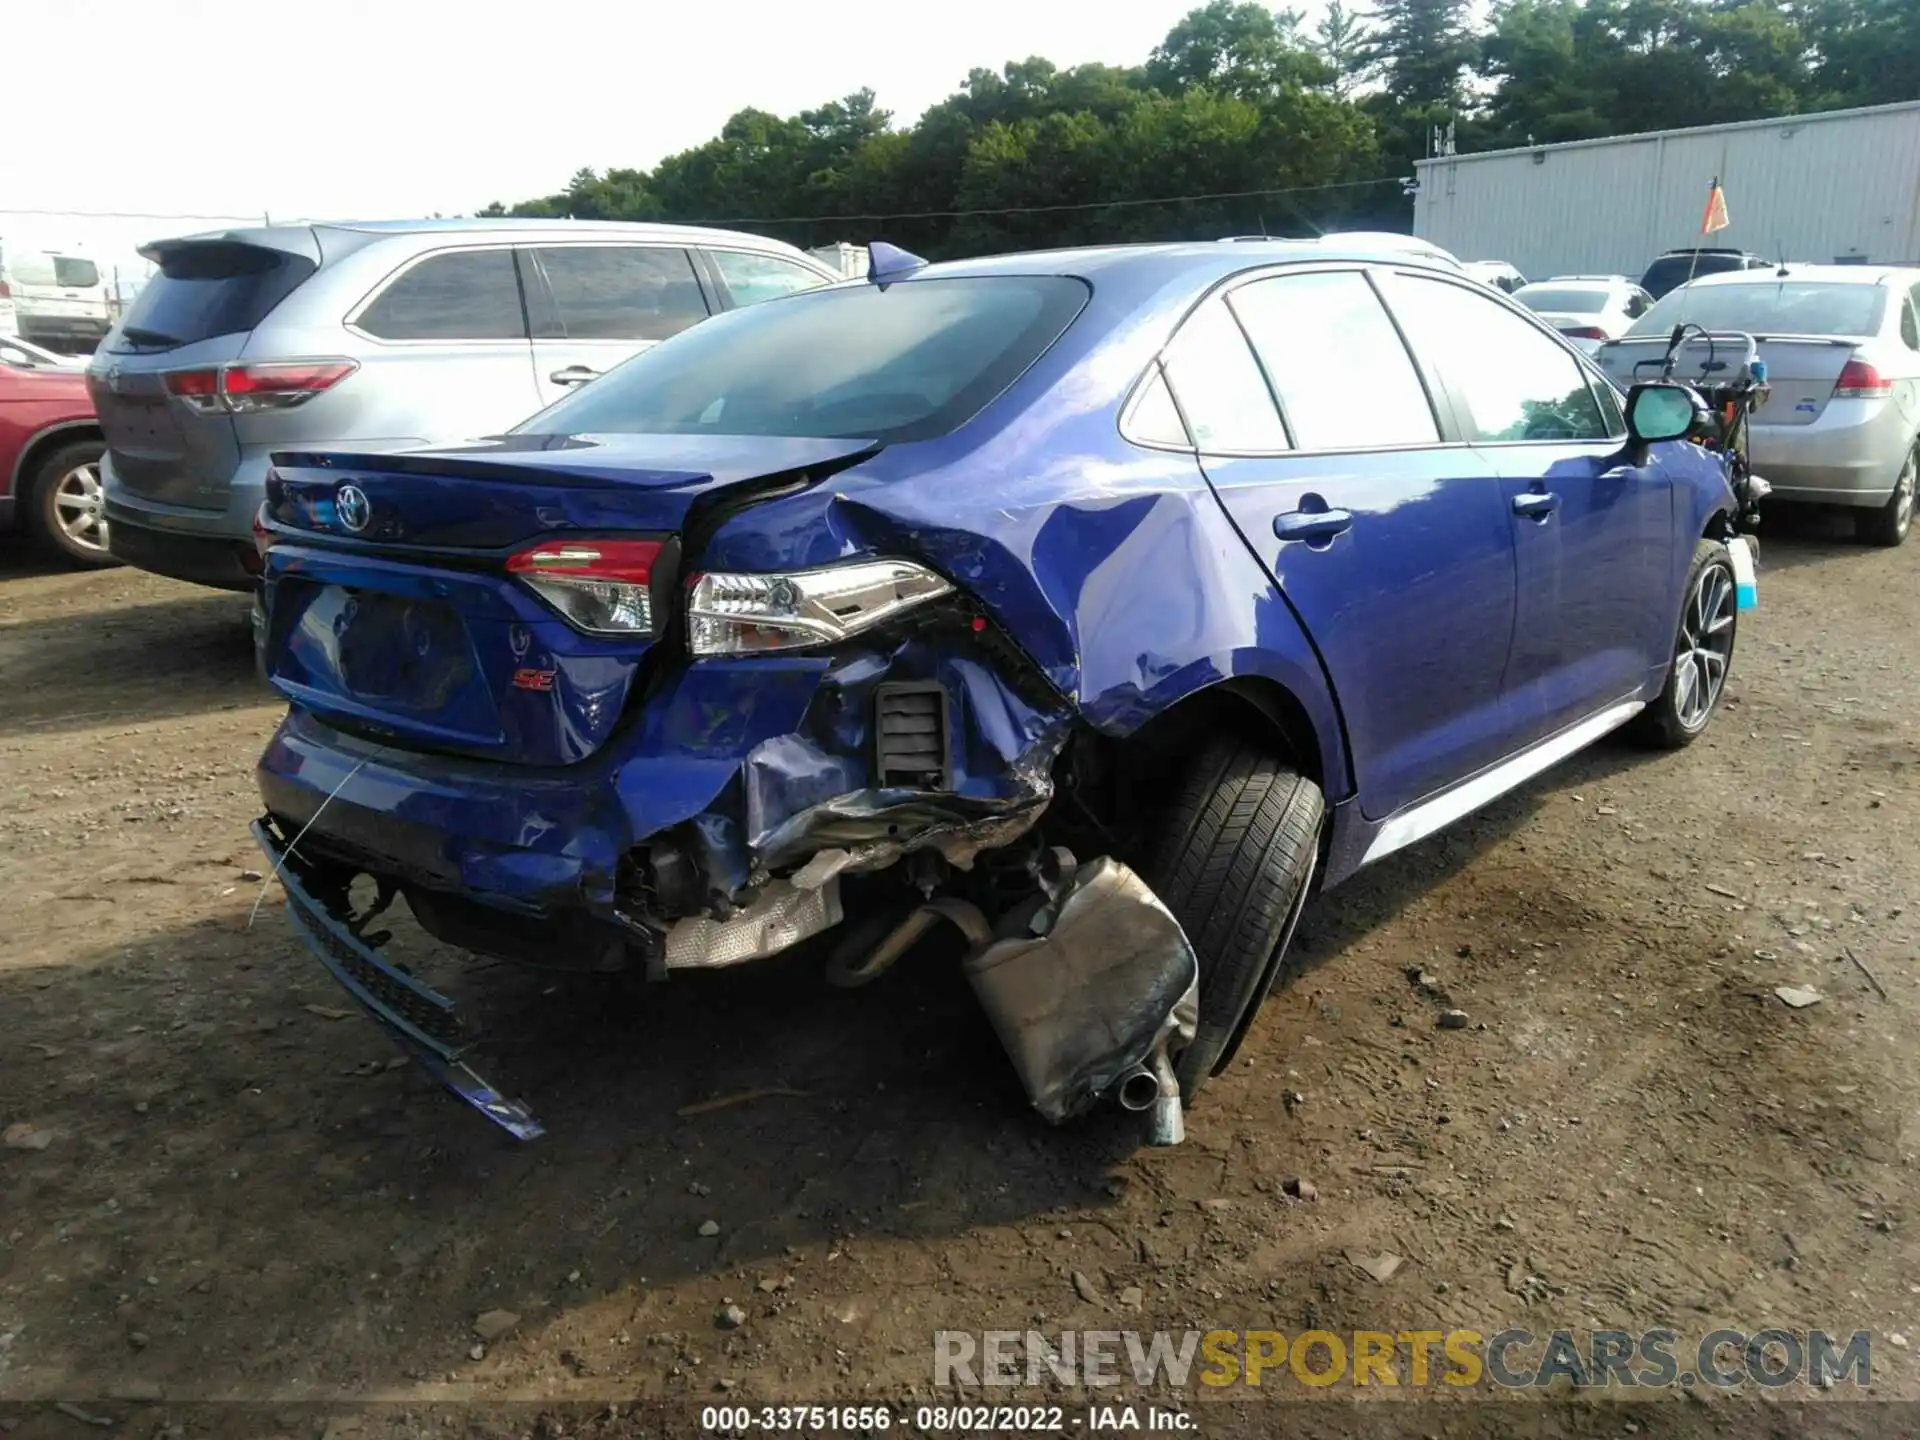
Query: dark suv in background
x=1676, y=267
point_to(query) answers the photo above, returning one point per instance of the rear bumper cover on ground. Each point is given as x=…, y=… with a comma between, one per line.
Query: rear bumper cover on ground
x=415, y=1017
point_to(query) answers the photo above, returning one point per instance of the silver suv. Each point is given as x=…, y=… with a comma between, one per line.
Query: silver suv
x=375, y=337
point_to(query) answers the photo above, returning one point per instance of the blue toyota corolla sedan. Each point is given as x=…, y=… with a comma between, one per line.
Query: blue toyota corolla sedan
x=1104, y=604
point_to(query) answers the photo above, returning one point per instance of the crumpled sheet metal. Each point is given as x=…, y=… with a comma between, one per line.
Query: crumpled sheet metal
x=1078, y=1008
x=815, y=788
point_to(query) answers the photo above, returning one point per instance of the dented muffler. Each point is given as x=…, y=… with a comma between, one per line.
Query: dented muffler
x=1094, y=997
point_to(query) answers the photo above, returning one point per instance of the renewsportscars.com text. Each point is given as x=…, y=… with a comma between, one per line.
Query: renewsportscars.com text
x=1409, y=1359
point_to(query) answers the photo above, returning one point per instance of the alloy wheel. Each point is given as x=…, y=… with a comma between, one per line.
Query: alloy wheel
x=1705, y=648
x=79, y=507
x=1903, y=489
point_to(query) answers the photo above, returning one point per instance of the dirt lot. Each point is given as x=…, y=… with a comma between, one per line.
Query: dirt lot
x=242, y=1210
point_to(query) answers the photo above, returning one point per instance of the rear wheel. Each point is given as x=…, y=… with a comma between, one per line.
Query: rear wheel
x=1233, y=863
x=65, y=505
x=1891, y=523
x=1702, y=654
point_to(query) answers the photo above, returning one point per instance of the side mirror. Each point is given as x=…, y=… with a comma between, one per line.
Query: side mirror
x=1659, y=410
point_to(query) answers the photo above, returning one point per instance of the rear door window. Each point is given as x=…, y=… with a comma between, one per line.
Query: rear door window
x=621, y=292
x=459, y=295
x=1910, y=319
x=1342, y=373
x=208, y=288
x=1516, y=382
x=1227, y=405
x=751, y=277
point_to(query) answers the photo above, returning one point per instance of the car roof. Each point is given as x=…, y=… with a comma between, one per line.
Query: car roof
x=1826, y=274
x=657, y=232
x=1159, y=263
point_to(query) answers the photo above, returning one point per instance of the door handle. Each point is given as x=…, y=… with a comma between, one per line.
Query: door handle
x=1312, y=525
x=1536, y=504
x=573, y=375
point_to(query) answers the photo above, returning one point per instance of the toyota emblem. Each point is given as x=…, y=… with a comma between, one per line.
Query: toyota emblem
x=350, y=503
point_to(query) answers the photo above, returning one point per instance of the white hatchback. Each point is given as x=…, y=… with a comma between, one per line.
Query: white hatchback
x=1587, y=309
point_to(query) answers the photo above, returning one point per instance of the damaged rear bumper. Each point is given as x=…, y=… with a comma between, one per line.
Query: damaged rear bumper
x=734, y=776
x=414, y=1016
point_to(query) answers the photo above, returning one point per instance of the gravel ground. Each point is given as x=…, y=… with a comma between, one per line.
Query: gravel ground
x=222, y=1207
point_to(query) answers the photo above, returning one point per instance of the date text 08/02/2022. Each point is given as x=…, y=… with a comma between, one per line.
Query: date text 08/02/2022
x=941, y=1419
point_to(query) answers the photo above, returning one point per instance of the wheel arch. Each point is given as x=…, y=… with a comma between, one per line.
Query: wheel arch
x=34, y=453
x=1257, y=707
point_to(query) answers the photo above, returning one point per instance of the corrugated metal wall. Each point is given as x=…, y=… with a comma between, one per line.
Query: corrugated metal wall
x=1819, y=186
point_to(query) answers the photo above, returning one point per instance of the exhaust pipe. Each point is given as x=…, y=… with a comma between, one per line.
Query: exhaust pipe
x=1138, y=1089
x=1154, y=1089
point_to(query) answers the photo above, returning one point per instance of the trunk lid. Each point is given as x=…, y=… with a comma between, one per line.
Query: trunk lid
x=1801, y=371
x=393, y=613
x=195, y=314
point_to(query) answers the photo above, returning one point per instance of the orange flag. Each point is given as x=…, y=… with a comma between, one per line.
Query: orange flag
x=1716, y=216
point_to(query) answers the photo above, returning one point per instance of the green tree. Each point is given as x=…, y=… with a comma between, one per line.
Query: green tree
x=1342, y=40
x=1867, y=52
x=1422, y=50
x=1240, y=49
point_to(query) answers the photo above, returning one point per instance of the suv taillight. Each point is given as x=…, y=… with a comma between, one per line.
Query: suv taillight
x=281, y=386
x=1860, y=381
x=249, y=389
x=5, y=292
x=604, y=587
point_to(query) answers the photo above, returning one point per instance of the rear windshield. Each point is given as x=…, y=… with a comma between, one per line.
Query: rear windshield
x=910, y=361
x=1564, y=301
x=75, y=274
x=1781, y=307
x=206, y=289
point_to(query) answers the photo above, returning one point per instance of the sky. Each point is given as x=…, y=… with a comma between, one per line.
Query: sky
x=196, y=111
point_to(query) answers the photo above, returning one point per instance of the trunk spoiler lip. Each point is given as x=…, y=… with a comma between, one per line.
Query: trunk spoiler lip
x=611, y=462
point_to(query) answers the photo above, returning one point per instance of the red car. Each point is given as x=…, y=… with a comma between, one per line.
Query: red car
x=50, y=446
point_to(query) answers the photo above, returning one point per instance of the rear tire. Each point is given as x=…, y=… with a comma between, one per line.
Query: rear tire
x=1893, y=521
x=1233, y=863
x=63, y=503
x=1696, y=680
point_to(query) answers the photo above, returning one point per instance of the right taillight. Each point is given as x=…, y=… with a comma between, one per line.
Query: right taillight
x=604, y=587
x=249, y=389
x=5, y=292
x=1860, y=381
x=749, y=614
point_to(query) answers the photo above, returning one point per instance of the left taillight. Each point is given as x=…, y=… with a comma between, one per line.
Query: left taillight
x=1584, y=332
x=604, y=587
x=249, y=389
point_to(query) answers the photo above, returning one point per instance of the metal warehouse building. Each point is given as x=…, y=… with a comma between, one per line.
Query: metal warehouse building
x=1843, y=186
